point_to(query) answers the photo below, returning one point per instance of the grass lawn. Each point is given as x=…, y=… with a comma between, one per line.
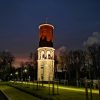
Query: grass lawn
x=14, y=94
x=65, y=93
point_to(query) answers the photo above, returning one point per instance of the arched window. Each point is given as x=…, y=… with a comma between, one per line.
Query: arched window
x=42, y=55
x=48, y=55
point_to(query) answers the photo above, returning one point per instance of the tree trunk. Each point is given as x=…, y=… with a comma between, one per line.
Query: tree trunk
x=86, y=89
x=77, y=76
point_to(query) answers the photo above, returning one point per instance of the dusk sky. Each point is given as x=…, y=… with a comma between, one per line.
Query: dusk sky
x=74, y=22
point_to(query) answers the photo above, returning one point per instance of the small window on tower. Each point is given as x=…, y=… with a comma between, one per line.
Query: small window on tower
x=41, y=67
x=42, y=55
x=49, y=57
x=41, y=76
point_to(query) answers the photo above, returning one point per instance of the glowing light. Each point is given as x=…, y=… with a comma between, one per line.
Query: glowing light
x=46, y=25
x=63, y=87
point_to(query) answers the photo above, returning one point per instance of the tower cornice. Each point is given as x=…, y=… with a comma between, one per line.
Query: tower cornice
x=46, y=25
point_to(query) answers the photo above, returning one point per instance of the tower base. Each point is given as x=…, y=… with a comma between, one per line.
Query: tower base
x=45, y=64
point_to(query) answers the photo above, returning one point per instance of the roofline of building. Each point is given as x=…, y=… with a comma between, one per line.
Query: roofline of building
x=46, y=25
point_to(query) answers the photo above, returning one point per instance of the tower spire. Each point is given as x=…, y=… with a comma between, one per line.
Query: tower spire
x=46, y=20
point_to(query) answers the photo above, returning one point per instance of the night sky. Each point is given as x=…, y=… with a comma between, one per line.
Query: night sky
x=74, y=22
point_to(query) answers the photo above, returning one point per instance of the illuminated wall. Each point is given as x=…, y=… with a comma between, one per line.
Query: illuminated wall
x=46, y=35
x=45, y=63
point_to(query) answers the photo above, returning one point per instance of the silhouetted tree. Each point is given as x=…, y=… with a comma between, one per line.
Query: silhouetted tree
x=6, y=60
x=76, y=63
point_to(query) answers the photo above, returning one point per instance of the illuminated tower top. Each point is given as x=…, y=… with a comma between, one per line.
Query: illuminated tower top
x=46, y=35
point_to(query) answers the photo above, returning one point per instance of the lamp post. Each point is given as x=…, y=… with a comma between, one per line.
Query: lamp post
x=86, y=88
x=53, y=78
x=11, y=76
x=16, y=75
x=90, y=76
x=25, y=71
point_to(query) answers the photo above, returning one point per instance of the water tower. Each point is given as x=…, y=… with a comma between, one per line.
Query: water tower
x=45, y=53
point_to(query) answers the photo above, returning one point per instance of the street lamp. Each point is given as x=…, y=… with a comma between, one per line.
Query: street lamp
x=11, y=76
x=25, y=71
x=16, y=75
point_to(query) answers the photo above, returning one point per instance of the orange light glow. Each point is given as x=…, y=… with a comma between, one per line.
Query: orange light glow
x=46, y=32
x=19, y=60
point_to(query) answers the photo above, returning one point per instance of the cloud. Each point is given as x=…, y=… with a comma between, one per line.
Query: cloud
x=92, y=40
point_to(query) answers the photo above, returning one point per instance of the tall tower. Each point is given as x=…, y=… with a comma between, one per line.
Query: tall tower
x=45, y=53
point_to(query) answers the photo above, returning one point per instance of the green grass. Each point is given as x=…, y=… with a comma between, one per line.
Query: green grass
x=65, y=93
x=15, y=94
x=73, y=95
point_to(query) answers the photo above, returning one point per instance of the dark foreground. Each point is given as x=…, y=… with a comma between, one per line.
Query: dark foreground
x=2, y=96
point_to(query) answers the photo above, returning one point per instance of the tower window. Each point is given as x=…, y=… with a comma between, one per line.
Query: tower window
x=43, y=56
x=41, y=76
x=49, y=57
